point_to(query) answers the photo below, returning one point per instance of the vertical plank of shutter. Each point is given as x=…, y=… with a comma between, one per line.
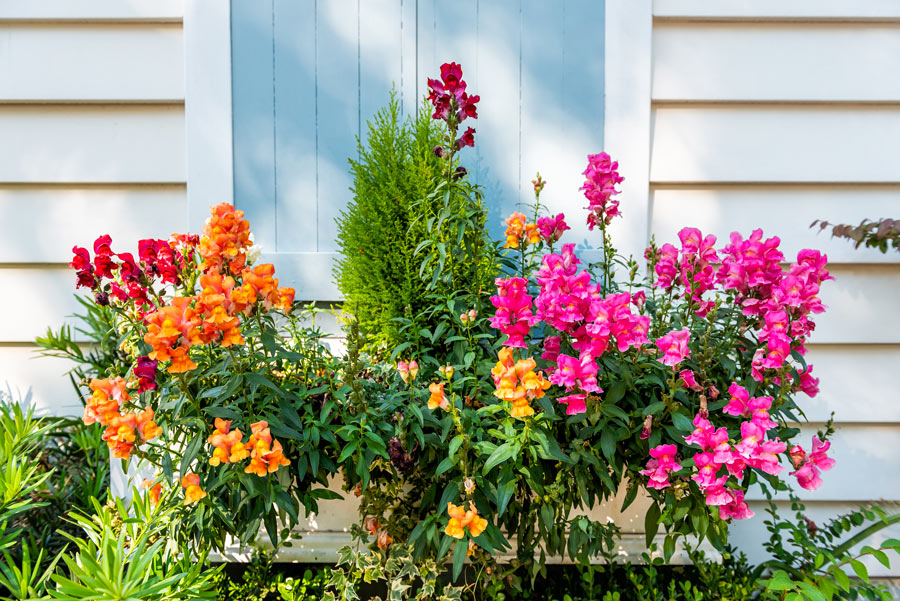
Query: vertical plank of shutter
x=337, y=90
x=380, y=47
x=295, y=126
x=409, y=86
x=546, y=129
x=254, y=123
x=497, y=143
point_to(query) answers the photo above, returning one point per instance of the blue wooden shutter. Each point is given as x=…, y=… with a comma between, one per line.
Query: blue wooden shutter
x=307, y=75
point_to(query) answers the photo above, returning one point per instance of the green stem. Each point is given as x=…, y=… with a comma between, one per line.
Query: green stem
x=865, y=533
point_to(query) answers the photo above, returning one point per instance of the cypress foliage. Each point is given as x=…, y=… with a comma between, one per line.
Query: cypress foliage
x=378, y=271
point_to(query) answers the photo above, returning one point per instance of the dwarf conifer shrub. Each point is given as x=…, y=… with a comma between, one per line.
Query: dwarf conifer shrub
x=393, y=212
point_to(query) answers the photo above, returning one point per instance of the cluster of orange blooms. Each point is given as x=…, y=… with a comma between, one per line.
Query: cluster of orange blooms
x=462, y=519
x=123, y=430
x=517, y=381
x=192, y=491
x=437, y=398
x=519, y=232
x=212, y=315
x=226, y=238
x=382, y=538
x=266, y=454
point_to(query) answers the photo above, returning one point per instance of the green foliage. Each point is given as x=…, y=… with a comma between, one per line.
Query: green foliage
x=128, y=552
x=813, y=563
x=259, y=581
x=401, y=204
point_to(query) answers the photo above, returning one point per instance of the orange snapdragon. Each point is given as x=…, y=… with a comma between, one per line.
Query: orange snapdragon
x=155, y=490
x=266, y=454
x=437, y=398
x=462, y=519
x=192, y=491
x=123, y=431
x=227, y=443
x=262, y=279
x=516, y=381
x=171, y=331
x=225, y=239
x=520, y=232
x=108, y=396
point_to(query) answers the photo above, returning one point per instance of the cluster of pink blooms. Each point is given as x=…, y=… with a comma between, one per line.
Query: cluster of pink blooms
x=782, y=301
x=514, y=316
x=452, y=103
x=552, y=228
x=807, y=466
x=599, y=188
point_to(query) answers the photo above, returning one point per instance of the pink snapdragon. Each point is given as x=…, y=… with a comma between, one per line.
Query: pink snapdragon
x=808, y=384
x=574, y=373
x=599, y=188
x=687, y=376
x=808, y=465
x=449, y=98
x=552, y=228
x=513, y=317
x=737, y=508
x=565, y=293
x=661, y=465
x=575, y=403
x=674, y=347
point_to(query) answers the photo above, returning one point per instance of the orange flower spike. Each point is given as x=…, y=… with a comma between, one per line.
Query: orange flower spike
x=266, y=454
x=108, y=395
x=285, y=299
x=181, y=361
x=146, y=426
x=226, y=236
x=231, y=337
x=460, y=519
x=384, y=540
x=515, y=228
x=437, y=398
x=532, y=233
x=155, y=491
x=227, y=443
x=477, y=525
x=119, y=435
x=192, y=491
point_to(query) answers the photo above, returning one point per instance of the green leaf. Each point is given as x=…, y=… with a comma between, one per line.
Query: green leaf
x=882, y=557
x=780, y=581
x=841, y=578
x=651, y=523
x=608, y=443
x=504, y=494
x=669, y=547
x=500, y=454
x=445, y=465
x=682, y=422
x=459, y=556
x=811, y=591
x=860, y=569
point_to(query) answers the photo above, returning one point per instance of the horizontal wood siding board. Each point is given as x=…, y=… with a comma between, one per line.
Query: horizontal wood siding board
x=778, y=9
x=761, y=62
x=783, y=211
x=39, y=297
x=865, y=455
x=50, y=220
x=857, y=383
x=26, y=374
x=775, y=144
x=861, y=305
x=91, y=62
x=92, y=144
x=91, y=10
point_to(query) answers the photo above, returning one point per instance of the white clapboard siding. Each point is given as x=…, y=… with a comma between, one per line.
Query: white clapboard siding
x=50, y=220
x=93, y=10
x=715, y=143
x=761, y=61
x=37, y=297
x=23, y=371
x=858, y=383
x=772, y=114
x=118, y=62
x=843, y=10
x=779, y=210
x=92, y=144
x=753, y=533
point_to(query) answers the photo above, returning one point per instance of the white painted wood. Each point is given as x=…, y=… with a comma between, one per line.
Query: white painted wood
x=750, y=143
x=865, y=454
x=207, y=107
x=861, y=303
x=92, y=144
x=23, y=371
x=37, y=297
x=857, y=382
x=751, y=534
x=48, y=221
x=775, y=61
x=778, y=9
x=785, y=211
x=82, y=10
x=627, y=116
x=308, y=273
x=91, y=62
x=409, y=84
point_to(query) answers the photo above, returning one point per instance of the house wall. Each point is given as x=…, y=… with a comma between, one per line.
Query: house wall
x=92, y=141
x=771, y=114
